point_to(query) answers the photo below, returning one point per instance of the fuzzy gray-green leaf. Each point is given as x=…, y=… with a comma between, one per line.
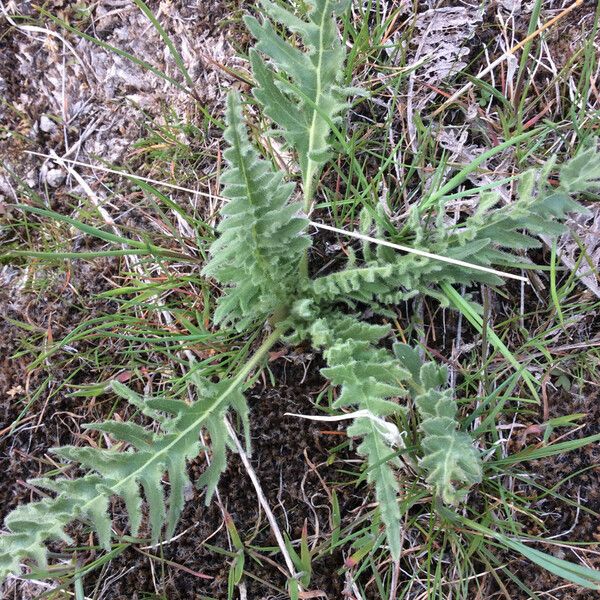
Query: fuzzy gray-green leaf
x=118, y=472
x=371, y=380
x=451, y=462
x=302, y=91
x=261, y=240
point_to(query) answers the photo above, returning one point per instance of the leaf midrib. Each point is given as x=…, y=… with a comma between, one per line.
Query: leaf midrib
x=260, y=259
x=236, y=382
x=311, y=164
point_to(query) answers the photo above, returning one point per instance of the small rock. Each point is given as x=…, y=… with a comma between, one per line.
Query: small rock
x=332, y=248
x=55, y=177
x=47, y=125
x=513, y=6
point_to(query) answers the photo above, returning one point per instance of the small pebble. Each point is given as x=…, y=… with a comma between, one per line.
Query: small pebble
x=55, y=177
x=47, y=125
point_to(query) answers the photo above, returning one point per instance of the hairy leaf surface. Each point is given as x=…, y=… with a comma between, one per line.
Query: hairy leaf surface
x=138, y=461
x=302, y=88
x=452, y=464
x=261, y=238
x=371, y=381
x=489, y=237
